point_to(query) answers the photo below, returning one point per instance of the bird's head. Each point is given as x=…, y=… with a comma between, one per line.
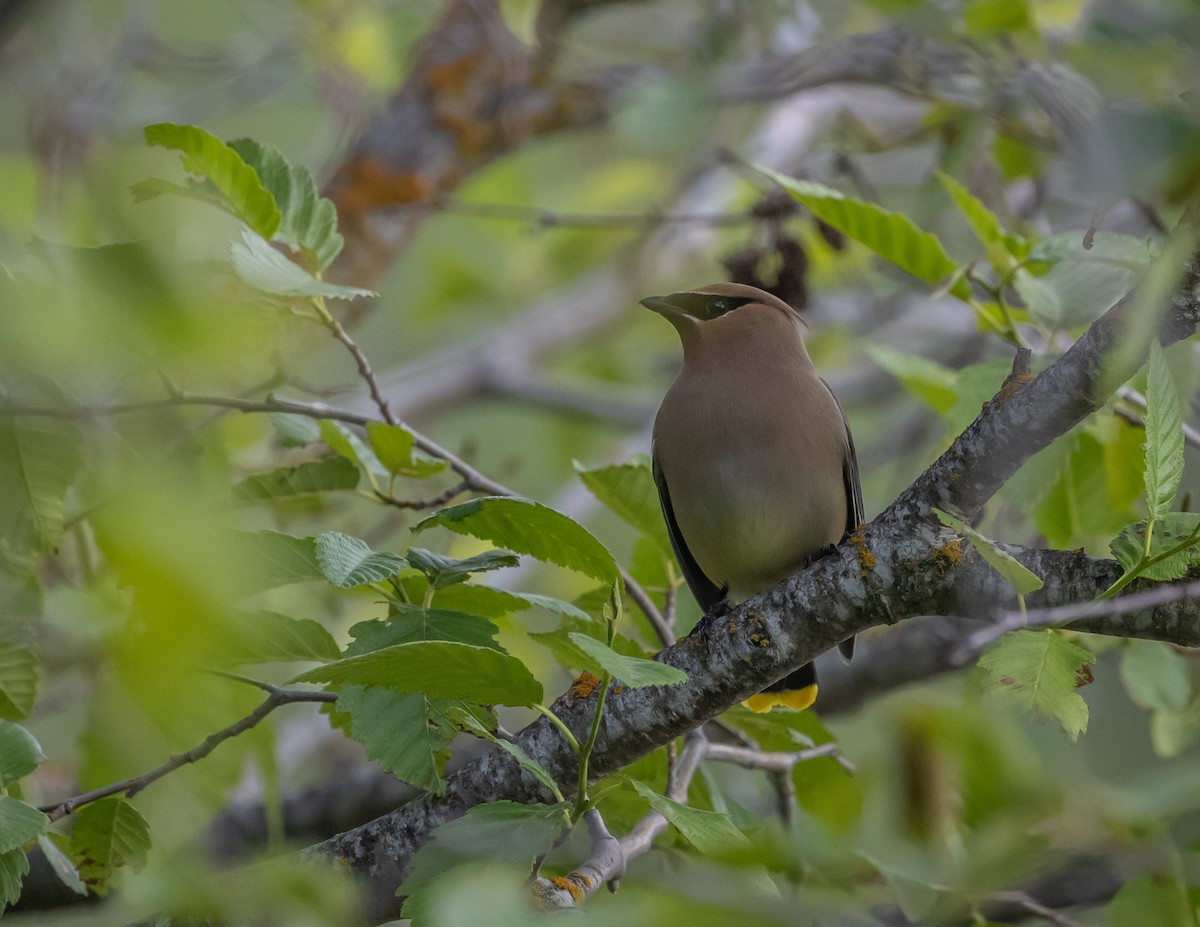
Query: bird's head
x=712, y=302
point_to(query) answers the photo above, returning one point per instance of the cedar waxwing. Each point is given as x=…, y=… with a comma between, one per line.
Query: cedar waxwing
x=753, y=458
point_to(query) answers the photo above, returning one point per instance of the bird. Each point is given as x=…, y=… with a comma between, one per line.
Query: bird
x=752, y=456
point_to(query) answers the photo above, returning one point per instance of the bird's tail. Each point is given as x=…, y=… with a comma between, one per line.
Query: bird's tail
x=796, y=691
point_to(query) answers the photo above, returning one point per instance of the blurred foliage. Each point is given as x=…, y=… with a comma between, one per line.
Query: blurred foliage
x=156, y=525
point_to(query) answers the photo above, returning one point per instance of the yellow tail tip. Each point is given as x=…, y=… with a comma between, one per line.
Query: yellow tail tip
x=794, y=699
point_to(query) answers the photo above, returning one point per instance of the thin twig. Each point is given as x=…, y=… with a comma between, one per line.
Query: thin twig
x=749, y=758
x=130, y=787
x=440, y=499
x=545, y=219
x=1134, y=398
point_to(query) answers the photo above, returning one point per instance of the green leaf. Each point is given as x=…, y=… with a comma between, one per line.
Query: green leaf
x=342, y=439
x=348, y=562
x=472, y=725
x=266, y=637
x=265, y=268
x=983, y=221
x=633, y=672
x=1156, y=675
x=1040, y=670
x=404, y=732
x=1015, y=573
x=1106, y=247
x=445, y=669
x=927, y=380
x=1170, y=531
x=295, y=430
x=309, y=221
x=332, y=473
x=276, y=559
x=916, y=897
x=38, y=461
x=442, y=571
x=1164, y=435
x=559, y=643
x=531, y=528
x=208, y=156
x=1042, y=301
x=108, y=834
x=495, y=603
x=13, y=867
x=396, y=451
x=707, y=831
x=18, y=678
x=501, y=830
x=20, y=753
x=629, y=490
x=61, y=863
x=20, y=822
x=1151, y=899
x=412, y=623
x=985, y=19
x=891, y=235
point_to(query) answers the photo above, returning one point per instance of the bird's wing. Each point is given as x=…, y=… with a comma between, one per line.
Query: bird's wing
x=707, y=592
x=855, y=512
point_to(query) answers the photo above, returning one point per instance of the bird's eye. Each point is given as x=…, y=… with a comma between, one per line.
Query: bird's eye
x=720, y=305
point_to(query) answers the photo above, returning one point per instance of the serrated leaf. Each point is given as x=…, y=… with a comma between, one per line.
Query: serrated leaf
x=108, y=834
x=528, y=527
x=308, y=220
x=20, y=753
x=263, y=267
x=295, y=430
x=20, y=822
x=444, y=669
x=442, y=571
x=208, y=156
x=983, y=221
x=916, y=897
x=397, y=452
x=495, y=603
x=1170, y=531
x=1016, y=574
x=559, y=643
x=38, y=461
x=1164, y=435
x=927, y=380
x=1156, y=676
x=60, y=863
x=18, y=678
x=328, y=475
x=342, y=439
x=403, y=732
x=412, y=623
x=629, y=490
x=633, y=672
x=707, y=831
x=348, y=561
x=267, y=637
x=891, y=235
x=14, y=865
x=1040, y=670
x=276, y=559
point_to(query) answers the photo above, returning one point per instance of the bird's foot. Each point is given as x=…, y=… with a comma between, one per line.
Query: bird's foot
x=711, y=620
x=819, y=553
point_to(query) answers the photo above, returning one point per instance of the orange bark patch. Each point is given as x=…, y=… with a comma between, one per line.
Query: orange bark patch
x=584, y=685
x=570, y=887
x=364, y=183
x=1011, y=386
x=866, y=559
x=949, y=555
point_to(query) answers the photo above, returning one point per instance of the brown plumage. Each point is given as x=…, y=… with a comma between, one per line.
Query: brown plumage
x=753, y=458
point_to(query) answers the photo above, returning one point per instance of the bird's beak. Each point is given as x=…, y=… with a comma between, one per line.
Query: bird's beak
x=664, y=307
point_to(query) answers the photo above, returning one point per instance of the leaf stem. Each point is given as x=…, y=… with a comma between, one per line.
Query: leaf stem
x=558, y=723
x=1148, y=562
x=581, y=799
